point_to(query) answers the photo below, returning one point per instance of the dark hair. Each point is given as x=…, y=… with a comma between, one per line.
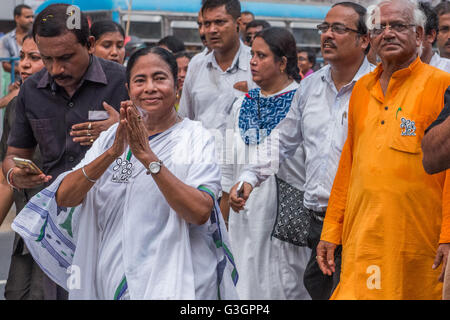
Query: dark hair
x=18, y=9
x=99, y=28
x=173, y=43
x=311, y=55
x=442, y=8
x=282, y=44
x=164, y=54
x=432, y=18
x=52, y=22
x=361, y=11
x=248, y=13
x=29, y=35
x=258, y=23
x=232, y=7
x=183, y=54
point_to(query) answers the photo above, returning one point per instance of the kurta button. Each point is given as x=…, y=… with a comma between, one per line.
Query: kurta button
x=71, y=159
x=382, y=122
x=385, y=108
x=71, y=104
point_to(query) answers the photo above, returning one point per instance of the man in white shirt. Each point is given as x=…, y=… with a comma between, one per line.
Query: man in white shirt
x=215, y=80
x=431, y=31
x=320, y=122
x=443, y=37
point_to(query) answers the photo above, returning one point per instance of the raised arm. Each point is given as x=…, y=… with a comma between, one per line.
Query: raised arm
x=436, y=142
x=76, y=185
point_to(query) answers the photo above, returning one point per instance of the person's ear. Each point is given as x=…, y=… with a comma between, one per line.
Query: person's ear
x=238, y=23
x=419, y=35
x=91, y=44
x=283, y=64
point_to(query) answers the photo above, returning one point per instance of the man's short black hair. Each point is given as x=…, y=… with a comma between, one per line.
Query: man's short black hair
x=311, y=55
x=361, y=11
x=173, y=43
x=248, y=13
x=18, y=9
x=232, y=7
x=52, y=22
x=258, y=23
x=432, y=18
x=442, y=8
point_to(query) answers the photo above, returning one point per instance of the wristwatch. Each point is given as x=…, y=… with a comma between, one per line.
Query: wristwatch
x=154, y=167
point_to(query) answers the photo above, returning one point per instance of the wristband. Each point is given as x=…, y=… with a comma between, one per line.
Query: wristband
x=10, y=181
x=86, y=176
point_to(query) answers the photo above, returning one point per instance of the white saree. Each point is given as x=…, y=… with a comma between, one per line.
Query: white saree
x=124, y=241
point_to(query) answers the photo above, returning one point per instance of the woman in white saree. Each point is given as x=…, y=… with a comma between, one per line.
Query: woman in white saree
x=269, y=268
x=138, y=217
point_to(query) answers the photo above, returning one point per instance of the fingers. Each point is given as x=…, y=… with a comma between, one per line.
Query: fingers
x=237, y=203
x=247, y=190
x=437, y=259
x=24, y=178
x=85, y=140
x=321, y=256
x=113, y=114
x=325, y=257
x=330, y=258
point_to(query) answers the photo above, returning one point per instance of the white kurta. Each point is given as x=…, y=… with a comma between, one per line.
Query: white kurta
x=127, y=241
x=268, y=268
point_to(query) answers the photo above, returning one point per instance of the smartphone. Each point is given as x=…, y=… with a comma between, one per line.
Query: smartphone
x=26, y=163
x=240, y=189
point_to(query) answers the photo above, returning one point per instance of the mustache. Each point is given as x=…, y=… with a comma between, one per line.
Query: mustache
x=391, y=41
x=329, y=42
x=61, y=77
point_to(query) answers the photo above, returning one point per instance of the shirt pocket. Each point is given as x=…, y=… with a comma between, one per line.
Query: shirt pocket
x=407, y=133
x=44, y=132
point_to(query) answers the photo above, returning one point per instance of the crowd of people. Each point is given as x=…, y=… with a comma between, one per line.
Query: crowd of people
x=243, y=171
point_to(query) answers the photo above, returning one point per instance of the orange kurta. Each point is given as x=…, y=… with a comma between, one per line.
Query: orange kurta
x=384, y=209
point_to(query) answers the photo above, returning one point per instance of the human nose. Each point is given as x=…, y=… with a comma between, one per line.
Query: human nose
x=56, y=67
x=150, y=86
x=114, y=51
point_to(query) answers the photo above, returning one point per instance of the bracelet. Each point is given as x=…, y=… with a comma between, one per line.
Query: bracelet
x=10, y=182
x=86, y=176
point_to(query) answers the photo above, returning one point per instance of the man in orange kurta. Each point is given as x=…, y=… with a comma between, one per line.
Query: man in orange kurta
x=392, y=219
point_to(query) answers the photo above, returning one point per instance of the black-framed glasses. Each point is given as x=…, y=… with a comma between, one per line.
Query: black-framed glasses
x=396, y=27
x=335, y=28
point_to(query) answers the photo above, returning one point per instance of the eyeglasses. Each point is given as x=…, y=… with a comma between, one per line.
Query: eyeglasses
x=335, y=28
x=396, y=27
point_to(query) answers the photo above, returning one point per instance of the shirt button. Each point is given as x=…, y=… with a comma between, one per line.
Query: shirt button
x=382, y=122
x=71, y=104
x=71, y=159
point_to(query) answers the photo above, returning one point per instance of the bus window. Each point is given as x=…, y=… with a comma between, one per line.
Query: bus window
x=95, y=16
x=145, y=27
x=306, y=34
x=187, y=31
x=276, y=23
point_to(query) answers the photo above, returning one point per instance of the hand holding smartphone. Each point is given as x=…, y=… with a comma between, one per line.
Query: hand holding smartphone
x=26, y=163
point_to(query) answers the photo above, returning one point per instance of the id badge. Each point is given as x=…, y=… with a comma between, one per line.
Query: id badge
x=96, y=115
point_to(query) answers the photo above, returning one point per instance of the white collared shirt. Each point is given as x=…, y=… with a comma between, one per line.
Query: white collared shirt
x=319, y=120
x=208, y=92
x=440, y=63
